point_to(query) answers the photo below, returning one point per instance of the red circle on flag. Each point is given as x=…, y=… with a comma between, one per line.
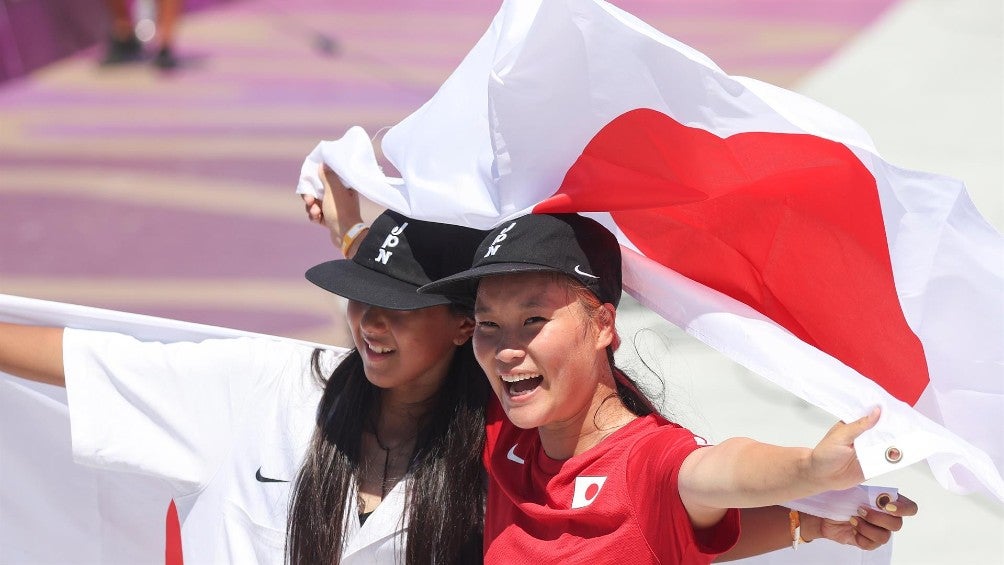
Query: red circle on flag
x=788, y=224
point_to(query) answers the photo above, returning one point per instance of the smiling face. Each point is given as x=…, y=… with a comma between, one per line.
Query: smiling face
x=407, y=351
x=542, y=351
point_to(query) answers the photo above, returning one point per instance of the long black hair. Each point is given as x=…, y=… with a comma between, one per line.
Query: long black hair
x=446, y=497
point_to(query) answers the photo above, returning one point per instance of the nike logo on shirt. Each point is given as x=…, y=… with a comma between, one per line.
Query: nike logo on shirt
x=513, y=457
x=261, y=479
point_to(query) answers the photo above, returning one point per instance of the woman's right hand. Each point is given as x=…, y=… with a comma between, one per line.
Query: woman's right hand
x=338, y=209
x=313, y=208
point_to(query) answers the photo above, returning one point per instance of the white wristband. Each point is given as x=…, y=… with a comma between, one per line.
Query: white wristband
x=350, y=236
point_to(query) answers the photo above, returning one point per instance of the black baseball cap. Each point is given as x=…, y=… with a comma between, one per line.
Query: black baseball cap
x=398, y=255
x=571, y=244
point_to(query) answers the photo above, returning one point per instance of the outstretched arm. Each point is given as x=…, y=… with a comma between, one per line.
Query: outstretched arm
x=767, y=529
x=32, y=352
x=742, y=473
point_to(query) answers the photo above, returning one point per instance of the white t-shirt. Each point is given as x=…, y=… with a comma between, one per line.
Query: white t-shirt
x=215, y=420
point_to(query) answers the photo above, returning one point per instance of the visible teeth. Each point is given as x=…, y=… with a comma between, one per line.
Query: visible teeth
x=517, y=378
x=378, y=348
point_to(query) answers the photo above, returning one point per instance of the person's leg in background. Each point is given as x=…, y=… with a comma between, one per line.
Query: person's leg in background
x=123, y=47
x=168, y=12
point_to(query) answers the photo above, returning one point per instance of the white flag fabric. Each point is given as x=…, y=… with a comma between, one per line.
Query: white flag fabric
x=53, y=510
x=761, y=222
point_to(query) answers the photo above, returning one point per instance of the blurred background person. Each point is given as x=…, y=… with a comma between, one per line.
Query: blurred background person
x=124, y=43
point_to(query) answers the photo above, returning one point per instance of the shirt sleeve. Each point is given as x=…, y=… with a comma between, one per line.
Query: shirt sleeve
x=655, y=467
x=167, y=410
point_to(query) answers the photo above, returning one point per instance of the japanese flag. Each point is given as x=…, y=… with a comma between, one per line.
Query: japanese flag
x=761, y=222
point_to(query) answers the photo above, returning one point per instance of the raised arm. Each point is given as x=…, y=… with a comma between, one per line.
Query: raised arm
x=338, y=210
x=32, y=352
x=742, y=473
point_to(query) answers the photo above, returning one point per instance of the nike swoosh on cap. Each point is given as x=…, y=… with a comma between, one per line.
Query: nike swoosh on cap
x=583, y=273
x=262, y=479
x=513, y=457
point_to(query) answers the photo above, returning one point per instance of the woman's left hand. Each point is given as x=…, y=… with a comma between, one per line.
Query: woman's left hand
x=868, y=530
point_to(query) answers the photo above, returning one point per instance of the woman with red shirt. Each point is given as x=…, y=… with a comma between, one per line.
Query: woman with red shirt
x=583, y=468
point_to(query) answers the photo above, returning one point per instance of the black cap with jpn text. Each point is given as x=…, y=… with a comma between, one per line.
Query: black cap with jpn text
x=577, y=246
x=398, y=255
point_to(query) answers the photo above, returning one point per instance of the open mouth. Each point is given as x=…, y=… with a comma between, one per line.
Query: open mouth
x=378, y=349
x=519, y=385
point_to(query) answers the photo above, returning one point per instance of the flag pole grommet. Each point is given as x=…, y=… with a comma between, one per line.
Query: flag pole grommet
x=893, y=455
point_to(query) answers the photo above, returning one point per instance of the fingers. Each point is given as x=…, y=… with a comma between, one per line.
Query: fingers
x=315, y=213
x=313, y=208
x=880, y=519
x=833, y=461
x=870, y=528
x=868, y=535
x=902, y=506
x=874, y=528
x=845, y=434
x=862, y=425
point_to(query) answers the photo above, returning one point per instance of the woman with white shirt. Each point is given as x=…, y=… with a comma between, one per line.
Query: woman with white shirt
x=329, y=445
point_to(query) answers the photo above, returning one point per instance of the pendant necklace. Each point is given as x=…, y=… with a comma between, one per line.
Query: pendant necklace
x=386, y=464
x=386, y=460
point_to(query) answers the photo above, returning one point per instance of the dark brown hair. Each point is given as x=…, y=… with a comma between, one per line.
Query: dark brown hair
x=628, y=391
x=446, y=497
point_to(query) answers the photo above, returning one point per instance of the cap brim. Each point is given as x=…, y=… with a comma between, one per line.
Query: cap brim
x=355, y=282
x=465, y=283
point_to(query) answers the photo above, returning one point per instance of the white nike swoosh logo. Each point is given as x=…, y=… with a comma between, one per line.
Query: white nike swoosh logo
x=583, y=273
x=513, y=457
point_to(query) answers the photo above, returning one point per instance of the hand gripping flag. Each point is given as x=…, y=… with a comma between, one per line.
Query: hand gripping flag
x=761, y=222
